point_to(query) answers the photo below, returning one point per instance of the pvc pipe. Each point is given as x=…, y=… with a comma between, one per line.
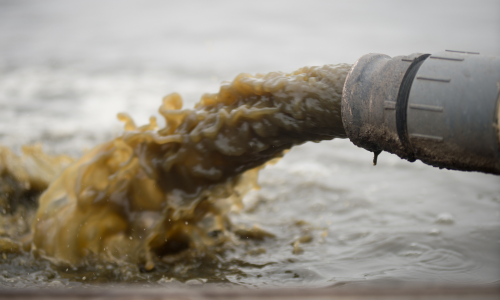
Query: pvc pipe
x=442, y=108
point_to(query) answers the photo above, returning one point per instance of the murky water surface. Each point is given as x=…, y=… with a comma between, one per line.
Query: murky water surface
x=335, y=218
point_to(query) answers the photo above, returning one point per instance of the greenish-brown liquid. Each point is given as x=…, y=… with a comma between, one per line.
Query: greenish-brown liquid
x=153, y=203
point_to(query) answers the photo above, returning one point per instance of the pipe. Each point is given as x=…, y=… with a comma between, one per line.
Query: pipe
x=442, y=109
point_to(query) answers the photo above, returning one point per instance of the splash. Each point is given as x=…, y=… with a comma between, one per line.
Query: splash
x=153, y=192
x=22, y=179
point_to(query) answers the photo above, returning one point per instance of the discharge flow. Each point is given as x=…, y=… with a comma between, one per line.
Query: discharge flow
x=153, y=193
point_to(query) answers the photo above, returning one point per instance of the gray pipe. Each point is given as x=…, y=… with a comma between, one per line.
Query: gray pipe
x=442, y=108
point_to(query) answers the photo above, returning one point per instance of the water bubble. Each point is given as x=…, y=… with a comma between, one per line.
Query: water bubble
x=199, y=281
x=56, y=283
x=445, y=218
x=434, y=231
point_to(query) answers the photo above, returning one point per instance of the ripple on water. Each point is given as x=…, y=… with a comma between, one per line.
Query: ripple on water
x=447, y=263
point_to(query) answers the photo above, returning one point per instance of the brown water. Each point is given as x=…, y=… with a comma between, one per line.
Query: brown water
x=155, y=201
